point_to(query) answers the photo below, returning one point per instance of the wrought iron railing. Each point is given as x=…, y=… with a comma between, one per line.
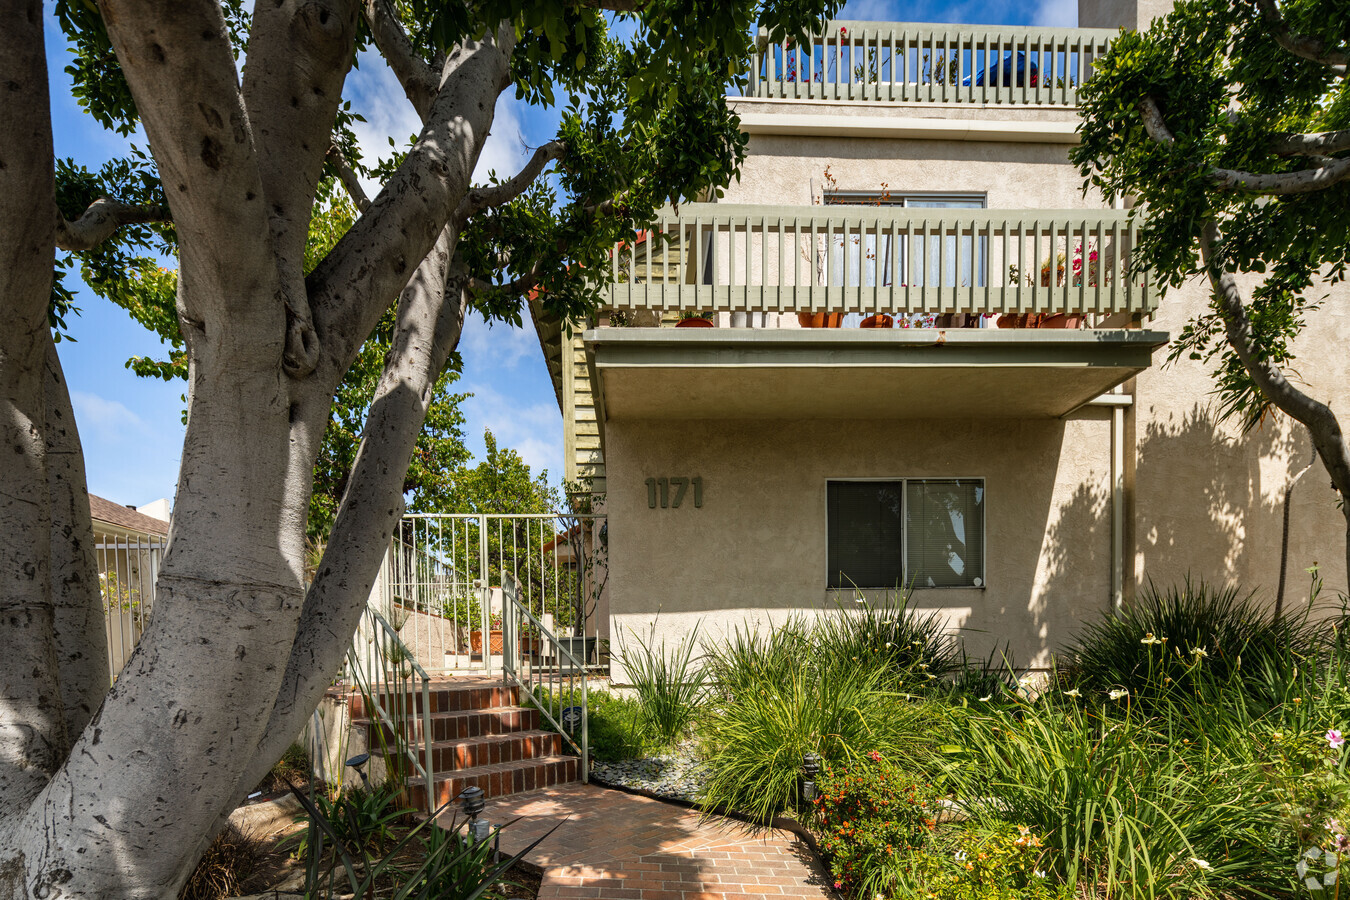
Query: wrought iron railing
x=714, y=257
x=550, y=671
x=906, y=62
x=396, y=696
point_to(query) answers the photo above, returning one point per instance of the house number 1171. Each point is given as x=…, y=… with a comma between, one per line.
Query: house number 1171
x=664, y=488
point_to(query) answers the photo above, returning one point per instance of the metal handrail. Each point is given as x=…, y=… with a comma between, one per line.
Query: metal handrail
x=916, y=62
x=513, y=612
x=378, y=679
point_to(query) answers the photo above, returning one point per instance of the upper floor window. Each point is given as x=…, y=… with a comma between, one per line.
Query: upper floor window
x=919, y=532
x=870, y=260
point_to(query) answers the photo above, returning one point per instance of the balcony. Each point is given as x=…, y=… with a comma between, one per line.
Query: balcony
x=989, y=65
x=715, y=257
x=930, y=270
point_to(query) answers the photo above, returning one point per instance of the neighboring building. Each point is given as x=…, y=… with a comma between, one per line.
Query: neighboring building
x=1024, y=479
x=129, y=544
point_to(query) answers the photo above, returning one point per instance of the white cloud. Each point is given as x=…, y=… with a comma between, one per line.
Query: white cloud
x=105, y=421
x=504, y=151
x=534, y=430
x=497, y=346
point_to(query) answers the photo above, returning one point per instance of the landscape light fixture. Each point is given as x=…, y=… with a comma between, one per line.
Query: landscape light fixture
x=473, y=802
x=359, y=764
x=810, y=769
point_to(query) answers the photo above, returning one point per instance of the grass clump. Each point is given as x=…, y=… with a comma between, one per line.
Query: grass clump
x=787, y=693
x=1153, y=648
x=227, y=864
x=670, y=685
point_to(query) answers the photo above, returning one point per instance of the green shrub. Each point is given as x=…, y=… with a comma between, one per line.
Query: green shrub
x=1002, y=863
x=361, y=818
x=1125, y=805
x=912, y=652
x=615, y=725
x=779, y=698
x=1157, y=646
x=867, y=815
x=670, y=686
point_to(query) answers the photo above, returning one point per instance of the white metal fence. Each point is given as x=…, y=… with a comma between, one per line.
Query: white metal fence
x=444, y=578
x=128, y=566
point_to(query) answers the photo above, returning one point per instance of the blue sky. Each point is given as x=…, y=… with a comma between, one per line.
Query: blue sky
x=132, y=428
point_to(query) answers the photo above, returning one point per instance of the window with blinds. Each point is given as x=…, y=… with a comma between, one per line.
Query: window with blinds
x=922, y=532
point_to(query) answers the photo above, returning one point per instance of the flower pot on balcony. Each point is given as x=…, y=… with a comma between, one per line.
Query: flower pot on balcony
x=697, y=322
x=880, y=320
x=820, y=320
x=1063, y=320
x=494, y=642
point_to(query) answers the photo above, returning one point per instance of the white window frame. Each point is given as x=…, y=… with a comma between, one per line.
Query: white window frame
x=904, y=482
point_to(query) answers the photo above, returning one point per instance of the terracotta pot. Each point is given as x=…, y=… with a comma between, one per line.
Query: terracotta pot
x=494, y=642
x=1023, y=320
x=694, y=323
x=820, y=320
x=1062, y=320
x=880, y=320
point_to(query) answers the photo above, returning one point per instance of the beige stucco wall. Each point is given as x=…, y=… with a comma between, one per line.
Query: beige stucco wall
x=756, y=550
x=1210, y=499
x=790, y=170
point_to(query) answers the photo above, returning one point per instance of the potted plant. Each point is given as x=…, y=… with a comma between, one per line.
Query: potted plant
x=820, y=320
x=694, y=319
x=879, y=320
x=494, y=636
x=531, y=644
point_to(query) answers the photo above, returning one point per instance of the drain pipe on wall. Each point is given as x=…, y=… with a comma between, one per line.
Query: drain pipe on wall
x=1284, y=535
x=1117, y=401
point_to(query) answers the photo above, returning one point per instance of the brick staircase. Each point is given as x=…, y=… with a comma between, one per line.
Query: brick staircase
x=481, y=736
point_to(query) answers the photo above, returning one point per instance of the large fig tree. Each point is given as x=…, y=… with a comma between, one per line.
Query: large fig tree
x=115, y=793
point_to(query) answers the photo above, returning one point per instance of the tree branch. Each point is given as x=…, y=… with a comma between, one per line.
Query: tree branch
x=101, y=220
x=373, y=261
x=347, y=175
x=1304, y=181
x=483, y=198
x=429, y=321
x=1301, y=45
x=1318, y=417
x=1322, y=143
x=417, y=78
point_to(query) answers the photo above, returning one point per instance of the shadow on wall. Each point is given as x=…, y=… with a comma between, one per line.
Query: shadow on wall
x=1211, y=503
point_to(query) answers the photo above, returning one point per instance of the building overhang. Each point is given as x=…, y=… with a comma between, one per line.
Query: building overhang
x=741, y=373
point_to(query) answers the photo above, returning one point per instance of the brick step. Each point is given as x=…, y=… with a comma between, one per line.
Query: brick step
x=457, y=726
x=495, y=749
x=497, y=780
x=445, y=697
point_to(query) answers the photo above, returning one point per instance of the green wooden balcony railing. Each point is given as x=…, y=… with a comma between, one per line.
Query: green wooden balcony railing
x=924, y=63
x=725, y=257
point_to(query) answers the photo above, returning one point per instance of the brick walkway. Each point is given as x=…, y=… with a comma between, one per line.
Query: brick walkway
x=620, y=846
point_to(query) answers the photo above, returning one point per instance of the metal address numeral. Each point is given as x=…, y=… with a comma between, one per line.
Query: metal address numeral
x=659, y=488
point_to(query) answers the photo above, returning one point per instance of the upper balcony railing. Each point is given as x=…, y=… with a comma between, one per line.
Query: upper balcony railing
x=926, y=63
x=710, y=257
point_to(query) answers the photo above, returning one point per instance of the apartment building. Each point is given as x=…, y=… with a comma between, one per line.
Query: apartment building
x=903, y=350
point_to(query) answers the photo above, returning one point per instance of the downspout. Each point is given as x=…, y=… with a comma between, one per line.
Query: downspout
x=1117, y=400
x=1117, y=509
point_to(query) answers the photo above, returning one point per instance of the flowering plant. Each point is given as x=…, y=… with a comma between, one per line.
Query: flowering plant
x=868, y=814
